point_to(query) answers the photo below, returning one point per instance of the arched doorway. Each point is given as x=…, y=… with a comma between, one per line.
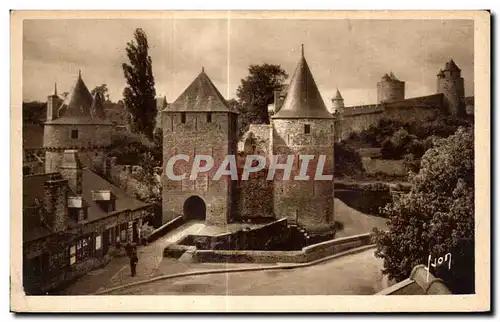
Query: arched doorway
x=194, y=208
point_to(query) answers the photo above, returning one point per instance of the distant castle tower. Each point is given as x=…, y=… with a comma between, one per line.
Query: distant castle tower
x=337, y=102
x=199, y=121
x=78, y=123
x=303, y=126
x=390, y=89
x=451, y=84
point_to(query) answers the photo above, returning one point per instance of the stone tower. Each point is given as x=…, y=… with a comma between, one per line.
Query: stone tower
x=451, y=84
x=390, y=89
x=77, y=123
x=303, y=126
x=337, y=102
x=199, y=122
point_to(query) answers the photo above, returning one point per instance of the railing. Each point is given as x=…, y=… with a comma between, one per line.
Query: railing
x=164, y=229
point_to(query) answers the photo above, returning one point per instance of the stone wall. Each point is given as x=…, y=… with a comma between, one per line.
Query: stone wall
x=59, y=136
x=387, y=167
x=359, y=118
x=264, y=237
x=308, y=202
x=307, y=254
x=255, y=197
x=123, y=177
x=349, y=123
x=256, y=140
x=389, y=90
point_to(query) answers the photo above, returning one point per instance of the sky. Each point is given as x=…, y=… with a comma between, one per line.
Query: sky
x=351, y=55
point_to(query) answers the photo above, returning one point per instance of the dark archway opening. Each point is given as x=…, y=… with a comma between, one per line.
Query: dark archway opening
x=194, y=208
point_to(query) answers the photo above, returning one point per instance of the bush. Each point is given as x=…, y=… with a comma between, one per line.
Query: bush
x=436, y=216
x=347, y=160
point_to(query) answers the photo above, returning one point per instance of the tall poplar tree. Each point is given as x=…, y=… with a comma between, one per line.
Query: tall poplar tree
x=139, y=95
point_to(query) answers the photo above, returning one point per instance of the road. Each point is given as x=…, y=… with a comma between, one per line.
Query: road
x=355, y=274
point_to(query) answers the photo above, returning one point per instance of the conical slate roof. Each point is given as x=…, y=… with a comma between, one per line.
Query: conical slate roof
x=338, y=96
x=303, y=99
x=393, y=77
x=451, y=66
x=200, y=96
x=76, y=108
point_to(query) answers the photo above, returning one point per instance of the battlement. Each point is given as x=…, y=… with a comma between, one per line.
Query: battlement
x=362, y=109
x=428, y=101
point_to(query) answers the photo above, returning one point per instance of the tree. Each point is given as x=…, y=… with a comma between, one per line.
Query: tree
x=347, y=160
x=34, y=112
x=139, y=95
x=102, y=89
x=256, y=92
x=436, y=216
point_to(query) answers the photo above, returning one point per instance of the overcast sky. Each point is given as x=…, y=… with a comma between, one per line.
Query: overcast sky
x=349, y=54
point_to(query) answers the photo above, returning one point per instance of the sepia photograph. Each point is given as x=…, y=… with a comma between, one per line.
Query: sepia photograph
x=252, y=158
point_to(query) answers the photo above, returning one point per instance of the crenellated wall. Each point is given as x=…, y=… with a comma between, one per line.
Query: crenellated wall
x=359, y=118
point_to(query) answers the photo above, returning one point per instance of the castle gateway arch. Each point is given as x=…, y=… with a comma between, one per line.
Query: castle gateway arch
x=194, y=208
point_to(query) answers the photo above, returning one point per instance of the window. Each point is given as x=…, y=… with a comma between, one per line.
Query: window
x=209, y=117
x=183, y=117
x=74, y=134
x=307, y=128
x=81, y=250
x=81, y=215
x=98, y=242
x=72, y=255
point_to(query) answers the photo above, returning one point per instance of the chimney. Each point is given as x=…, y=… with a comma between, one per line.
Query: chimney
x=55, y=204
x=71, y=170
x=53, y=102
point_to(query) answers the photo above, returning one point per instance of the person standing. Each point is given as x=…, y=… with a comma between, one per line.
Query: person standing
x=133, y=261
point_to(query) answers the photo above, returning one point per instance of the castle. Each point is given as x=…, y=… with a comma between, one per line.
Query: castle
x=72, y=216
x=391, y=103
x=201, y=122
x=449, y=99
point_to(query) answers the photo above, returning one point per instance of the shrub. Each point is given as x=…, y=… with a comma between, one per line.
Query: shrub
x=436, y=216
x=347, y=160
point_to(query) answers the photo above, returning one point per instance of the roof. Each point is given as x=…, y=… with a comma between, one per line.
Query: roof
x=200, y=96
x=91, y=181
x=451, y=66
x=33, y=190
x=338, y=96
x=76, y=108
x=393, y=77
x=33, y=194
x=420, y=282
x=303, y=99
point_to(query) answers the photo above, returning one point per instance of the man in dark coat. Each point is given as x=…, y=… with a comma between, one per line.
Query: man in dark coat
x=133, y=261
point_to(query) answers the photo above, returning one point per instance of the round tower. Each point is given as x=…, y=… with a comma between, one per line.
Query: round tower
x=78, y=124
x=390, y=89
x=337, y=102
x=304, y=127
x=451, y=84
